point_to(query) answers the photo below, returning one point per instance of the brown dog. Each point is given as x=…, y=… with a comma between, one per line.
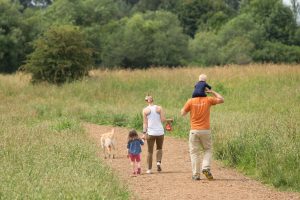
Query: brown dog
x=108, y=144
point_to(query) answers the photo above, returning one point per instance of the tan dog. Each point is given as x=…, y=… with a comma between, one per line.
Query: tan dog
x=108, y=144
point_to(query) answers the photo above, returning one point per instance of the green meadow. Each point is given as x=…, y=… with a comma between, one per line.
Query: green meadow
x=46, y=154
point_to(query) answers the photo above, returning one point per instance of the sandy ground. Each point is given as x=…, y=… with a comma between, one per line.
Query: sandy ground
x=174, y=182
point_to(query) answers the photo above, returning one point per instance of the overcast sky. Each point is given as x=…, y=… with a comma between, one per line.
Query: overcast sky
x=288, y=2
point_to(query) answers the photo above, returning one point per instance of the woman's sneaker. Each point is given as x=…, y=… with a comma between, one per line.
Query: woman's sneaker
x=208, y=174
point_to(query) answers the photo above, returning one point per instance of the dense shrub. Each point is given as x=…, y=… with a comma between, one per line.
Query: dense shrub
x=234, y=43
x=204, y=49
x=278, y=53
x=238, y=51
x=145, y=39
x=60, y=55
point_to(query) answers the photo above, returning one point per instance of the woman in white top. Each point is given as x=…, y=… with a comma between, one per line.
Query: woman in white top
x=153, y=116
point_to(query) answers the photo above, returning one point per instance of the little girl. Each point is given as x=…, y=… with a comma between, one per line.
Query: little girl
x=134, y=151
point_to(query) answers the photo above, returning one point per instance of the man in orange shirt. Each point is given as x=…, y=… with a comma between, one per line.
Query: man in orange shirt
x=199, y=109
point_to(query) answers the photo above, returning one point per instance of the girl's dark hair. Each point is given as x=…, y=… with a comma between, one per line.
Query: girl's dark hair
x=132, y=135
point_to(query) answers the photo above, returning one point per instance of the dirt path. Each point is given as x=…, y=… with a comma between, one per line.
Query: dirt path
x=174, y=182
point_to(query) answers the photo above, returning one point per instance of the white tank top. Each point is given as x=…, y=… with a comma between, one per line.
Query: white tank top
x=155, y=126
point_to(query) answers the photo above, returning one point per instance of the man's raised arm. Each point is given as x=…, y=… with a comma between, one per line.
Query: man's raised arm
x=217, y=95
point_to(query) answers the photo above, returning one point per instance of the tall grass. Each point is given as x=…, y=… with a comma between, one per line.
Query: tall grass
x=255, y=130
x=44, y=152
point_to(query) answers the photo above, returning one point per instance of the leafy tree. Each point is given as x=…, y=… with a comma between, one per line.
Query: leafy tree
x=204, y=49
x=234, y=43
x=276, y=19
x=82, y=12
x=237, y=51
x=144, y=5
x=90, y=15
x=11, y=36
x=295, y=8
x=233, y=4
x=35, y=3
x=297, y=37
x=153, y=5
x=153, y=38
x=32, y=27
x=61, y=55
x=242, y=26
x=203, y=15
x=132, y=2
x=281, y=25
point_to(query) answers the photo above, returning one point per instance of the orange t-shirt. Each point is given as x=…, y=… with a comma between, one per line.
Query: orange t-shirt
x=199, y=109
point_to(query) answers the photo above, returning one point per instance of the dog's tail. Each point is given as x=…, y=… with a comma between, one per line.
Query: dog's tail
x=102, y=142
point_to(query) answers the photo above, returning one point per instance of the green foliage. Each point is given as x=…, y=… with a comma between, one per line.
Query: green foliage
x=241, y=26
x=152, y=5
x=238, y=50
x=234, y=43
x=153, y=38
x=278, y=53
x=146, y=5
x=204, y=49
x=221, y=88
x=105, y=118
x=276, y=19
x=119, y=120
x=60, y=55
x=281, y=25
x=84, y=13
x=64, y=124
x=202, y=15
x=297, y=37
x=143, y=33
x=137, y=122
x=11, y=36
x=233, y=4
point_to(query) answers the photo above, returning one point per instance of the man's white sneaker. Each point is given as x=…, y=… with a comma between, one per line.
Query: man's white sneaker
x=148, y=171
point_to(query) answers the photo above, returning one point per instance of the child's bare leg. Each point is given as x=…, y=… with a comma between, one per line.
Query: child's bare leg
x=138, y=167
x=133, y=167
x=138, y=164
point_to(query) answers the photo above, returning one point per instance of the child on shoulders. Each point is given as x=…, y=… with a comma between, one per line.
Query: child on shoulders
x=200, y=87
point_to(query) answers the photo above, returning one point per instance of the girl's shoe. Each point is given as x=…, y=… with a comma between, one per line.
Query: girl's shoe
x=138, y=171
x=158, y=166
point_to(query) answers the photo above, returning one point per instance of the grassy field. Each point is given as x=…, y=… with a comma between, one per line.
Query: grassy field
x=45, y=153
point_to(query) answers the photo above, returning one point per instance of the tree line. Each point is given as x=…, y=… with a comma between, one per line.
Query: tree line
x=40, y=34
